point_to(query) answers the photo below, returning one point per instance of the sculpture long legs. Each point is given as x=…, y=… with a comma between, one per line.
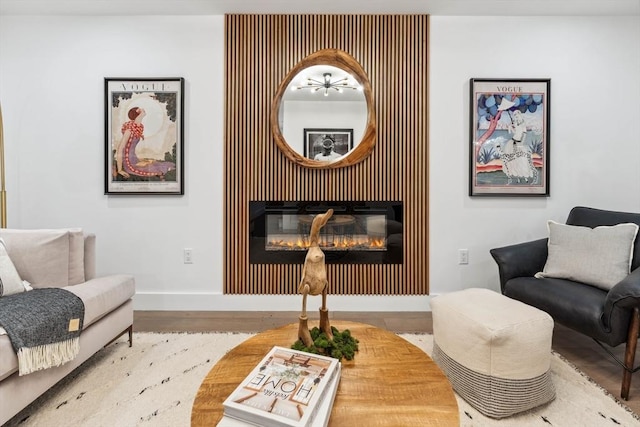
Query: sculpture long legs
x=325, y=326
x=303, y=327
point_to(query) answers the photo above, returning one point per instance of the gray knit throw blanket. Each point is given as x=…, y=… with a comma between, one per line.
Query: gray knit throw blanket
x=44, y=327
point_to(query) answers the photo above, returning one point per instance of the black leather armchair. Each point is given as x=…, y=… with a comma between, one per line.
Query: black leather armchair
x=609, y=317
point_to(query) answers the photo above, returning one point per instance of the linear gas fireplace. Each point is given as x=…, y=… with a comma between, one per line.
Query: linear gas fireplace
x=357, y=233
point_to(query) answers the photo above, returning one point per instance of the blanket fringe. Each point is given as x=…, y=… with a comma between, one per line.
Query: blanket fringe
x=32, y=359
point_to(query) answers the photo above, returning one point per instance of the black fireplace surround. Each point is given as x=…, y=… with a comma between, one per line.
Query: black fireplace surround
x=365, y=232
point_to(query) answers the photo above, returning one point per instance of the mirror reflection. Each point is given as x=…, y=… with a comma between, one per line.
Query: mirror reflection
x=323, y=113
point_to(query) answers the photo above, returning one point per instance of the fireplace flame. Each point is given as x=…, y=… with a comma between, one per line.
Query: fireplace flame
x=377, y=242
x=299, y=243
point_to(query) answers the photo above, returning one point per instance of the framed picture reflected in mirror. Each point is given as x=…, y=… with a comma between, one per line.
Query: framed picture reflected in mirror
x=327, y=145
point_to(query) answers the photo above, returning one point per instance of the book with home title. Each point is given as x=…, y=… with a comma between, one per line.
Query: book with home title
x=286, y=389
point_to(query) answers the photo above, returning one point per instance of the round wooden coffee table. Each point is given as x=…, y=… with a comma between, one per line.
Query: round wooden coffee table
x=390, y=382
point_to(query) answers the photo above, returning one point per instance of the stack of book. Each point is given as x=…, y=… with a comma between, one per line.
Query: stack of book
x=288, y=388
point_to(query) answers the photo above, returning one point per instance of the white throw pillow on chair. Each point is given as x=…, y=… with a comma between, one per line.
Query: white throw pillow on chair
x=599, y=256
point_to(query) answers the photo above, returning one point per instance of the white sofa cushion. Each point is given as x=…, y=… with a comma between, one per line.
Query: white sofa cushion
x=8, y=358
x=599, y=256
x=103, y=294
x=47, y=257
x=89, y=256
x=10, y=281
x=76, y=256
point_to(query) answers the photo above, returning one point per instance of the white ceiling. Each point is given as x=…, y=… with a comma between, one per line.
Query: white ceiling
x=219, y=7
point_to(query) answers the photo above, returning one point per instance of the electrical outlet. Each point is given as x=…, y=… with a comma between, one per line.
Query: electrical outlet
x=463, y=256
x=188, y=255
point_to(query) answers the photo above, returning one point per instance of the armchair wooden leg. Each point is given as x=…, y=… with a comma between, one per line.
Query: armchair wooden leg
x=630, y=353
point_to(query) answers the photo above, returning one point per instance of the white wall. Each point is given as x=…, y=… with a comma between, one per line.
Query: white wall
x=51, y=90
x=594, y=66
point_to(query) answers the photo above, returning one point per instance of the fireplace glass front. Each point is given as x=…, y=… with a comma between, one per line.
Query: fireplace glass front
x=357, y=233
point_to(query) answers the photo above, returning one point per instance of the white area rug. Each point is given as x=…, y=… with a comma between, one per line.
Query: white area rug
x=155, y=382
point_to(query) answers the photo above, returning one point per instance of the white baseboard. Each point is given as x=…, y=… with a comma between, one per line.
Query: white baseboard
x=220, y=302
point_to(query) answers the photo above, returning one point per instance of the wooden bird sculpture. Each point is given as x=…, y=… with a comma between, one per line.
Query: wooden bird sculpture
x=314, y=280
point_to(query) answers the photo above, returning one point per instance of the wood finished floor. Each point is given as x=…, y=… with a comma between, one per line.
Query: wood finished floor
x=576, y=348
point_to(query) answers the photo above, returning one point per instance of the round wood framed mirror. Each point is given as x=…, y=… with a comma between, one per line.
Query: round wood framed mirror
x=323, y=114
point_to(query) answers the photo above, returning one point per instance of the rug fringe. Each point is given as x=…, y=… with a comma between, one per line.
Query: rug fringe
x=32, y=359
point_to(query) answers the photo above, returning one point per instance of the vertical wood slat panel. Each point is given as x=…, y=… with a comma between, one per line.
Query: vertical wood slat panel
x=259, y=52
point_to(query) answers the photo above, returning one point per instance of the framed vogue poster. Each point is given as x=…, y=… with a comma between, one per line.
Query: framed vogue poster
x=509, y=137
x=327, y=144
x=144, y=136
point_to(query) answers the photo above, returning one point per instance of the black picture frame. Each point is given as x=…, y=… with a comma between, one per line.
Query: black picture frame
x=144, y=136
x=313, y=138
x=509, y=137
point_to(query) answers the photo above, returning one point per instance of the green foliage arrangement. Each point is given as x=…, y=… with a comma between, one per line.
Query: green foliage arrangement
x=342, y=345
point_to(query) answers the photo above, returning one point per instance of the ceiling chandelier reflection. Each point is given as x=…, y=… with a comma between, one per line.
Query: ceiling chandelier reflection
x=327, y=84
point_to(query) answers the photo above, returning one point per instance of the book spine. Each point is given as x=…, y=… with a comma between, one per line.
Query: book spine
x=323, y=395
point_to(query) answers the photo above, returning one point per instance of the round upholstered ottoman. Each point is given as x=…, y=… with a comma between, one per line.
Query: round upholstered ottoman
x=496, y=351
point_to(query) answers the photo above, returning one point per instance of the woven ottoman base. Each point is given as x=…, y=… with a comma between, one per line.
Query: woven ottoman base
x=496, y=351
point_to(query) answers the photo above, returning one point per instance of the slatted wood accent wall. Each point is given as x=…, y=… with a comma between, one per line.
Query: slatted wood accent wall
x=259, y=52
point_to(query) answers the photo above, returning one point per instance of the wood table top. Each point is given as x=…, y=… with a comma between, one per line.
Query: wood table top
x=390, y=382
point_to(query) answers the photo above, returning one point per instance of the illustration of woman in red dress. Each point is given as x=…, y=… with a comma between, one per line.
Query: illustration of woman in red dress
x=127, y=161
